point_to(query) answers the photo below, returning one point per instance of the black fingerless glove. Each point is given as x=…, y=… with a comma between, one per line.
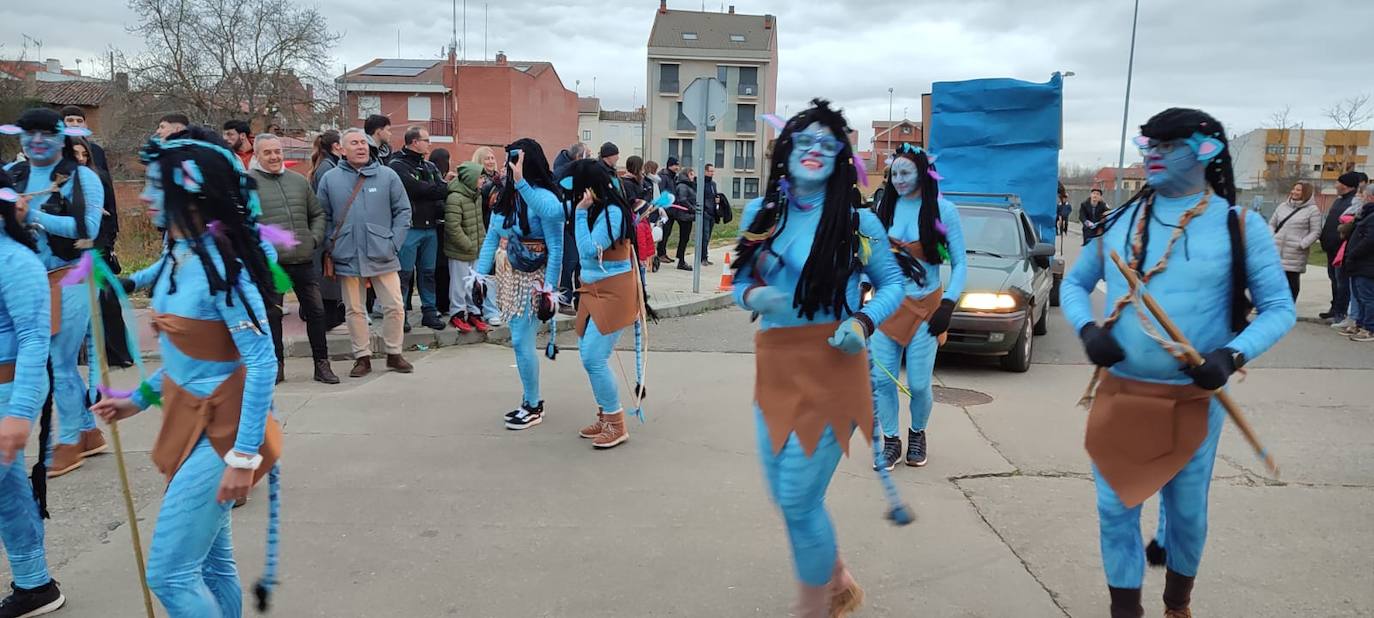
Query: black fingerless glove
x=1216, y=368
x=939, y=321
x=127, y=284
x=1101, y=347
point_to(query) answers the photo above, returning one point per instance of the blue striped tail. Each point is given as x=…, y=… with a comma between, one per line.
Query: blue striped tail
x=263, y=589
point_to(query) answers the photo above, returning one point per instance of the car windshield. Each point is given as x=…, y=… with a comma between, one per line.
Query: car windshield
x=990, y=231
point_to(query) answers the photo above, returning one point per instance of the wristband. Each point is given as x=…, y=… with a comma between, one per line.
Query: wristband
x=242, y=462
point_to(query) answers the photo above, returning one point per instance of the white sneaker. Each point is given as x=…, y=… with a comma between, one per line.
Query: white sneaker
x=1343, y=324
x=1362, y=336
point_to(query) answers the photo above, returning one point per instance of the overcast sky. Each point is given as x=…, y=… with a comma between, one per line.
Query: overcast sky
x=1240, y=60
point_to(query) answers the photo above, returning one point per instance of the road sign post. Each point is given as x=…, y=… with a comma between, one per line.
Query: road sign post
x=703, y=102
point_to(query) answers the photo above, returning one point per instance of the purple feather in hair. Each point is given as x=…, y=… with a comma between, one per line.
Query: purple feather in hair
x=940, y=227
x=76, y=131
x=83, y=269
x=9, y=195
x=934, y=174
x=278, y=236
x=860, y=169
x=784, y=187
x=111, y=393
x=216, y=228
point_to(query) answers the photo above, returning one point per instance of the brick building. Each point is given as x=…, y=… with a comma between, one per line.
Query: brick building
x=465, y=104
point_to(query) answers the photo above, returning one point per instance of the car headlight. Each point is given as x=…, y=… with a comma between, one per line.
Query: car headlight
x=985, y=301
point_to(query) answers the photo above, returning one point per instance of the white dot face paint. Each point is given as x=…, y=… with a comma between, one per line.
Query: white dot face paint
x=904, y=176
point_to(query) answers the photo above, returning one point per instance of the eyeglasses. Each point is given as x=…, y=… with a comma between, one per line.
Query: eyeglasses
x=829, y=145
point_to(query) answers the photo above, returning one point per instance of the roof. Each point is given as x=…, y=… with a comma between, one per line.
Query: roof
x=427, y=71
x=713, y=31
x=20, y=69
x=588, y=105
x=85, y=94
x=614, y=116
x=1108, y=174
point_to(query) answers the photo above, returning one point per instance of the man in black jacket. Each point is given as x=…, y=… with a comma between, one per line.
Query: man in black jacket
x=686, y=193
x=1359, y=267
x=1091, y=213
x=1330, y=240
x=427, y=189
x=667, y=181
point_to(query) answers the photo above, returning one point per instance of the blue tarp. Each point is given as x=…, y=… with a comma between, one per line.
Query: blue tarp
x=1000, y=136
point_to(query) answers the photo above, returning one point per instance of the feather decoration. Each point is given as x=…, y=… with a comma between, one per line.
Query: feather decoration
x=281, y=282
x=10, y=129
x=944, y=252
x=860, y=169
x=112, y=393
x=279, y=237
x=865, y=249
x=934, y=174
x=9, y=195
x=216, y=228
x=149, y=396
x=775, y=121
x=941, y=227
x=83, y=269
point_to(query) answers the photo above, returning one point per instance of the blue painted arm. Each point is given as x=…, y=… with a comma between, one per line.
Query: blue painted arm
x=744, y=277
x=25, y=290
x=1077, y=287
x=958, y=251
x=545, y=205
x=146, y=277
x=154, y=382
x=1269, y=290
x=882, y=269
x=94, y=191
x=487, y=256
x=591, y=242
x=258, y=355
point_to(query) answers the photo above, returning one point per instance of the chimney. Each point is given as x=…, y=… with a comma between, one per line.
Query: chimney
x=732, y=9
x=767, y=22
x=121, y=83
x=54, y=65
x=501, y=58
x=662, y=6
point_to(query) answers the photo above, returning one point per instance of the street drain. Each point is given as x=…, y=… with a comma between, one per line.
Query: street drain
x=961, y=396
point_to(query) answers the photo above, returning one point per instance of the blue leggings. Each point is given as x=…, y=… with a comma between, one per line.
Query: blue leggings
x=20, y=527
x=191, y=565
x=69, y=389
x=797, y=484
x=920, y=362
x=1184, y=503
x=596, y=350
x=523, y=330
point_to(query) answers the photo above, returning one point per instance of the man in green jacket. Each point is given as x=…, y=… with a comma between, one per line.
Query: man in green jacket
x=463, y=235
x=288, y=202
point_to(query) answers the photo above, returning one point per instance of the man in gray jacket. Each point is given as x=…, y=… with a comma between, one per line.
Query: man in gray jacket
x=367, y=215
x=288, y=202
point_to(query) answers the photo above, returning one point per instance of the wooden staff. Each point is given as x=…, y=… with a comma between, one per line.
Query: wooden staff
x=1196, y=360
x=98, y=337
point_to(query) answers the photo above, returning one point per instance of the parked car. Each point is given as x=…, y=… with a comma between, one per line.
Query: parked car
x=1011, y=279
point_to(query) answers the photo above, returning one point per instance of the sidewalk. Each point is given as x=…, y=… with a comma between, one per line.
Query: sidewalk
x=670, y=294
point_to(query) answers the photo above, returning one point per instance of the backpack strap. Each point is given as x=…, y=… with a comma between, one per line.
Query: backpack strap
x=1240, y=297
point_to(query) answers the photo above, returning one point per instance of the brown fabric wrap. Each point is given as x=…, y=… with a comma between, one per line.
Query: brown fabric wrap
x=913, y=248
x=902, y=325
x=6, y=373
x=803, y=384
x=185, y=417
x=55, y=295
x=207, y=340
x=1141, y=434
x=613, y=301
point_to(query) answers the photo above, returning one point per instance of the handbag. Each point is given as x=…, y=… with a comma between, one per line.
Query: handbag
x=327, y=260
x=525, y=259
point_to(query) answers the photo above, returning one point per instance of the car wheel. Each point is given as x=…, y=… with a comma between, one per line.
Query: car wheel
x=1019, y=359
x=1042, y=325
x=1054, y=291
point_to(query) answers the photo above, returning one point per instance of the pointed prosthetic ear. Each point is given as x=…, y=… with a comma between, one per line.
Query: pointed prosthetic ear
x=76, y=131
x=774, y=120
x=1207, y=148
x=566, y=183
x=10, y=129
x=7, y=194
x=1141, y=142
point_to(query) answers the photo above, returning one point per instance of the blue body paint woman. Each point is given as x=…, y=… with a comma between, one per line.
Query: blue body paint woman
x=219, y=369
x=804, y=247
x=925, y=232
x=1198, y=254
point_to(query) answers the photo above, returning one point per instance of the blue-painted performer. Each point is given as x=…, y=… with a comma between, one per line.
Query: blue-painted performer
x=611, y=298
x=530, y=218
x=800, y=256
x=25, y=389
x=219, y=368
x=67, y=219
x=924, y=232
x=1154, y=424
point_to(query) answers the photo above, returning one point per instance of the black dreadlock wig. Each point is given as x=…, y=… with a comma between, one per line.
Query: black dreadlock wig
x=537, y=173
x=835, y=252
x=13, y=226
x=590, y=174
x=931, y=237
x=222, y=193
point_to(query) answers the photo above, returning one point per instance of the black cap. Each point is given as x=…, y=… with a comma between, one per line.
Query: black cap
x=39, y=119
x=1350, y=179
x=608, y=149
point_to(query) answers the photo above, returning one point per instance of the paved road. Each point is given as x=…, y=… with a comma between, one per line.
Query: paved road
x=406, y=497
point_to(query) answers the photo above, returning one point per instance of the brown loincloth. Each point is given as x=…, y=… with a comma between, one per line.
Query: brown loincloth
x=6, y=373
x=55, y=294
x=1141, y=434
x=902, y=325
x=613, y=301
x=803, y=384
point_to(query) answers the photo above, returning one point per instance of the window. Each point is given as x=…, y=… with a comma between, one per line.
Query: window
x=417, y=108
x=1307, y=150
x=1292, y=150
x=744, y=118
x=667, y=78
x=744, y=155
x=737, y=38
x=735, y=185
x=368, y=105
x=721, y=72
x=720, y=153
x=689, y=36
x=751, y=188
x=749, y=81
x=683, y=123
x=682, y=149
x=1274, y=149
x=1316, y=168
x=586, y=135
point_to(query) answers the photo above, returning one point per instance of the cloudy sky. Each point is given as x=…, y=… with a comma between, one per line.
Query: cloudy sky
x=1239, y=59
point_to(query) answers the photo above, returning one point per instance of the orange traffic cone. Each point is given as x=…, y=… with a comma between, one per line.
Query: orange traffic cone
x=727, y=276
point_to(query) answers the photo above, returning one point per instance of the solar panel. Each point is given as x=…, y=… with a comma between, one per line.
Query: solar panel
x=393, y=71
x=409, y=64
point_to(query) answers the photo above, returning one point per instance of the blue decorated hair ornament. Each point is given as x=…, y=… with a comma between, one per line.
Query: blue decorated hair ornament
x=1206, y=147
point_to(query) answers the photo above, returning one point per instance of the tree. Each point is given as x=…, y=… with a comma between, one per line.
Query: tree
x=1347, y=115
x=1280, y=175
x=223, y=59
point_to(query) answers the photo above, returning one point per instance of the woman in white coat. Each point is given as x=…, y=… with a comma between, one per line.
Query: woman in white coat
x=1296, y=224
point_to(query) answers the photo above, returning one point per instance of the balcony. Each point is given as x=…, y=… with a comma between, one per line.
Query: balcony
x=442, y=128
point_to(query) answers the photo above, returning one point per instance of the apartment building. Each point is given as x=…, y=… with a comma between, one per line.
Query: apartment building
x=1319, y=155
x=739, y=50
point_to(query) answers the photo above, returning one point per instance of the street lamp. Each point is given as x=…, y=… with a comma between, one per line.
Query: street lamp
x=1126, y=109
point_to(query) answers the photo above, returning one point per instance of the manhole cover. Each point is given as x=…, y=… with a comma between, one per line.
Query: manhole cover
x=961, y=396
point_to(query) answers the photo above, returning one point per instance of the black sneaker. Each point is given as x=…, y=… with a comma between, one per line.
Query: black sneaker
x=683, y=265
x=44, y=599
x=432, y=321
x=525, y=417
x=915, y=448
x=892, y=452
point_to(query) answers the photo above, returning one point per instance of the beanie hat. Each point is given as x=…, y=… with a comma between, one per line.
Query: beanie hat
x=608, y=149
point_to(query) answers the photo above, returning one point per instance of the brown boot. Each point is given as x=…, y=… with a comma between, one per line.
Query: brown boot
x=813, y=602
x=1178, y=594
x=1126, y=603
x=325, y=373
x=65, y=458
x=593, y=430
x=613, y=432
x=93, y=442
x=361, y=367
x=398, y=363
x=845, y=594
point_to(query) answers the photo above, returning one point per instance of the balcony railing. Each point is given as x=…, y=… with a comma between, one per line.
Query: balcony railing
x=440, y=127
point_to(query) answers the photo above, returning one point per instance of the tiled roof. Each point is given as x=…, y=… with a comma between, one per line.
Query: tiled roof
x=87, y=94
x=588, y=105
x=713, y=31
x=614, y=116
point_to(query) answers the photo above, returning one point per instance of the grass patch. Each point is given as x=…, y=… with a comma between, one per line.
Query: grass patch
x=1317, y=257
x=139, y=242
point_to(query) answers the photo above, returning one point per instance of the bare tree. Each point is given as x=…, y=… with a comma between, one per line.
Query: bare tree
x=1348, y=115
x=1288, y=169
x=223, y=59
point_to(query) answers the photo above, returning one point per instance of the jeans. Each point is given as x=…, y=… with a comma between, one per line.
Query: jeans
x=419, y=252
x=191, y=564
x=1340, y=290
x=20, y=528
x=305, y=280
x=1362, y=291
